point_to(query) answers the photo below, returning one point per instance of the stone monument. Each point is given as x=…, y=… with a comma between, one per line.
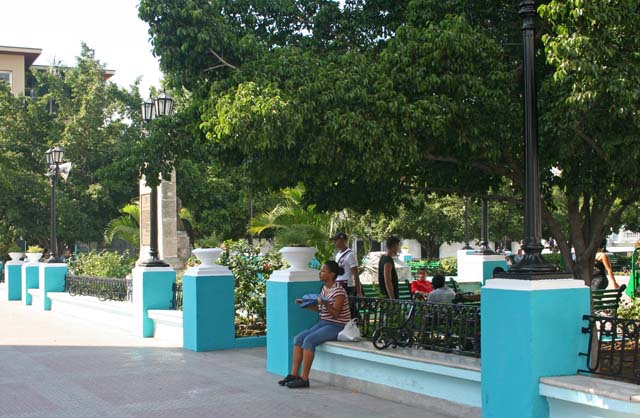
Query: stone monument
x=173, y=242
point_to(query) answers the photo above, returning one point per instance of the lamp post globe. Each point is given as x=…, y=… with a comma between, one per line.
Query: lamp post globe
x=153, y=109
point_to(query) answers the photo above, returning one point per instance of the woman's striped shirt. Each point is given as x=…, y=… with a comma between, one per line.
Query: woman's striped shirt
x=331, y=294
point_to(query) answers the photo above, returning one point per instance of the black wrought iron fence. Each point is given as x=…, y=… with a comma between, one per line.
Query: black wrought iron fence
x=103, y=288
x=612, y=351
x=452, y=328
x=176, y=303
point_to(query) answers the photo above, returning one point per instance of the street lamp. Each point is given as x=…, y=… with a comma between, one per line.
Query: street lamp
x=152, y=109
x=484, y=231
x=53, y=157
x=533, y=264
x=466, y=226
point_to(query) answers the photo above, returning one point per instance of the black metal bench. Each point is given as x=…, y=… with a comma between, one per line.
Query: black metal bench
x=607, y=300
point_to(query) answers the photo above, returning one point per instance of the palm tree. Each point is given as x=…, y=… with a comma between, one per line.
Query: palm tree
x=125, y=227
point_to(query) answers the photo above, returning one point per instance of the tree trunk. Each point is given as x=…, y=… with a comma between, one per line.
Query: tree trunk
x=431, y=247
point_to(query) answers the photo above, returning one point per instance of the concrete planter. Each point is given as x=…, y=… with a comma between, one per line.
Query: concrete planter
x=207, y=256
x=34, y=257
x=298, y=257
x=16, y=256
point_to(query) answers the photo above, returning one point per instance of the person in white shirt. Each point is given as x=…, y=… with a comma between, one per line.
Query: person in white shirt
x=346, y=258
x=441, y=293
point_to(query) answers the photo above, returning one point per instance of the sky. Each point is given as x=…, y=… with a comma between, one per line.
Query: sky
x=111, y=28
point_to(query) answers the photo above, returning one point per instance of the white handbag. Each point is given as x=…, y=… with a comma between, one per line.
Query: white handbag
x=351, y=332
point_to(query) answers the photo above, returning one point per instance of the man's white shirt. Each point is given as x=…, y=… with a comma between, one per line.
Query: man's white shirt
x=347, y=260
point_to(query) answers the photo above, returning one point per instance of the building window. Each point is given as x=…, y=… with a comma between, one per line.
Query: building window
x=6, y=76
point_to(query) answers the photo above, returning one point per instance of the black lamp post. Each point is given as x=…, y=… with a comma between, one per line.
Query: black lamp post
x=484, y=231
x=53, y=157
x=152, y=109
x=466, y=227
x=533, y=265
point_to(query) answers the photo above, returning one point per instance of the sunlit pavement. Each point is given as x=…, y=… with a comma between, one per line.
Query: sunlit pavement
x=57, y=366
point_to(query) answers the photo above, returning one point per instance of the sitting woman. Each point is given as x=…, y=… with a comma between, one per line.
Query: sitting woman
x=333, y=307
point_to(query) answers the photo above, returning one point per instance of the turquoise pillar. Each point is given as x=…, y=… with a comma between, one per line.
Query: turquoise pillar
x=478, y=267
x=51, y=279
x=30, y=279
x=208, y=308
x=285, y=318
x=152, y=289
x=13, y=279
x=530, y=329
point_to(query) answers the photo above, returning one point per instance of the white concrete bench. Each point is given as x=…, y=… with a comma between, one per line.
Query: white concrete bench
x=446, y=383
x=585, y=396
x=112, y=313
x=168, y=325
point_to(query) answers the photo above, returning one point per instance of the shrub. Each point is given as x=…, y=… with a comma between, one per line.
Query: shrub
x=251, y=271
x=102, y=264
x=449, y=266
x=35, y=249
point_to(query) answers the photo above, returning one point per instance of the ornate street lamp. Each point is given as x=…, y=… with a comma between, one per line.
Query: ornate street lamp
x=533, y=264
x=152, y=109
x=53, y=157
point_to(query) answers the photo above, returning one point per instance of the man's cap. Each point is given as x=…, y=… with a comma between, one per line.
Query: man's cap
x=339, y=235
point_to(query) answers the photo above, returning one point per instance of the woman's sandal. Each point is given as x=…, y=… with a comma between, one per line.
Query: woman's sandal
x=298, y=383
x=287, y=379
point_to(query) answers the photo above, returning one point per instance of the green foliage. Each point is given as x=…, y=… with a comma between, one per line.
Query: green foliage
x=211, y=241
x=96, y=123
x=251, y=271
x=554, y=258
x=35, y=249
x=14, y=249
x=629, y=310
x=375, y=99
x=449, y=266
x=126, y=227
x=297, y=235
x=102, y=264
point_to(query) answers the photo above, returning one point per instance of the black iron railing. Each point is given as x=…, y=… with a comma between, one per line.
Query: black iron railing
x=613, y=348
x=451, y=328
x=176, y=303
x=100, y=287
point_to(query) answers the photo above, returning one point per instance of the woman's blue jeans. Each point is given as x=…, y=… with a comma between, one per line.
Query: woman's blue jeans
x=321, y=332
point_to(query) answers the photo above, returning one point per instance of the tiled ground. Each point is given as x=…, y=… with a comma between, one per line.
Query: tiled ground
x=59, y=367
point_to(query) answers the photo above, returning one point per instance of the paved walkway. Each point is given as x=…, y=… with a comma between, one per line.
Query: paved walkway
x=52, y=366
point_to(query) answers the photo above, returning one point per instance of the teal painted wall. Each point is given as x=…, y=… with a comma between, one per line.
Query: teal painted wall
x=13, y=278
x=285, y=319
x=527, y=335
x=30, y=280
x=208, y=312
x=155, y=287
x=488, y=266
x=53, y=280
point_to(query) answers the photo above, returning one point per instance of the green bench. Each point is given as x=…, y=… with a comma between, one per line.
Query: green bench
x=371, y=290
x=607, y=300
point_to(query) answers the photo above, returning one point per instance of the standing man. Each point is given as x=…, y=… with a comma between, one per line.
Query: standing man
x=387, y=275
x=346, y=258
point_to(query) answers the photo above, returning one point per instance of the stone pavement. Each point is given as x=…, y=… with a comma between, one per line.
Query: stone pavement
x=52, y=366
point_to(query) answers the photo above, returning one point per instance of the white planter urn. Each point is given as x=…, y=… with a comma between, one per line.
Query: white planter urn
x=207, y=256
x=298, y=257
x=34, y=257
x=16, y=256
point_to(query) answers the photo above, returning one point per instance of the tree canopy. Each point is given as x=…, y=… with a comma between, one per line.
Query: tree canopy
x=368, y=102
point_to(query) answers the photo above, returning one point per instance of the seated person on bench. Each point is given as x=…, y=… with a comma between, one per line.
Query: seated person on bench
x=441, y=293
x=421, y=288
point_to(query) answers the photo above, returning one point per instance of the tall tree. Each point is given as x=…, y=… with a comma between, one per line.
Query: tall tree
x=368, y=102
x=96, y=123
